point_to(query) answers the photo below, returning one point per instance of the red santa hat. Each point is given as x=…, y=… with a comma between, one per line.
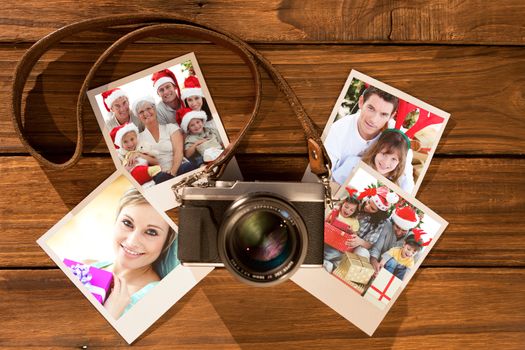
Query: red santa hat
x=118, y=132
x=406, y=218
x=165, y=76
x=192, y=87
x=110, y=96
x=185, y=115
x=381, y=196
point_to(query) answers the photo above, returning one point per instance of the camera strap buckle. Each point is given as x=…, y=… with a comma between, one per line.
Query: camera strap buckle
x=325, y=180
x=199, y=179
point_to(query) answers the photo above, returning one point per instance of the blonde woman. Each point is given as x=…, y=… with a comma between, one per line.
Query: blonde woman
x=144, y=245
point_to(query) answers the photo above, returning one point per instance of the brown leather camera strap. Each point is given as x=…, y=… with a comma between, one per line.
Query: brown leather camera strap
x=151, y=25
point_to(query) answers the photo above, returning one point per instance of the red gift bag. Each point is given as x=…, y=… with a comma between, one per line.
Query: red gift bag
x=336, y=237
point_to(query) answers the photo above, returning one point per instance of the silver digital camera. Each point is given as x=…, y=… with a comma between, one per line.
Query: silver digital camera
x=262, y=232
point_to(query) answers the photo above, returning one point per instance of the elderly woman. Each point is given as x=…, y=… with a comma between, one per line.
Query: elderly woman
x=166, y=139
x=117, y=104
x=144, y=245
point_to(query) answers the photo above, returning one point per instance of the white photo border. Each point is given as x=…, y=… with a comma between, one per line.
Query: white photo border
x=155, y=303
x=342, y=298
x=161, y=195
x=354, y=74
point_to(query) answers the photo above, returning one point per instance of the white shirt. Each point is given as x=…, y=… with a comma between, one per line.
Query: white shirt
x=166, y=114
x=164, y=146
x=343, y=142
x=345, y=146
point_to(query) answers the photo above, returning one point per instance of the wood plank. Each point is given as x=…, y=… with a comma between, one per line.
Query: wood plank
x=215, y=315
x=438, y=21
x=481, y=87
x=483, y=199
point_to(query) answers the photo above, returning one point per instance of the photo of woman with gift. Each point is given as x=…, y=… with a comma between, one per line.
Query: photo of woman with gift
x=141, y=241
x=119, y=247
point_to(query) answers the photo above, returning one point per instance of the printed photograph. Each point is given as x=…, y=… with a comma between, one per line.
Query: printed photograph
x=160, y=124
x=117, y=248
x=375, y=238
x=391, y=131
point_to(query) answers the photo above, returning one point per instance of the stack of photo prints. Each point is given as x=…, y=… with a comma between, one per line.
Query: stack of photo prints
x=119, y=247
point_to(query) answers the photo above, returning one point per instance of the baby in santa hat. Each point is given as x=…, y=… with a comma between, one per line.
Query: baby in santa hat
x=201, y=139
x=139, y=160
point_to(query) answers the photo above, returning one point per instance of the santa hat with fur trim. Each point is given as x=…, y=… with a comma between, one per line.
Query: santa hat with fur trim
x=110, y=96
x=164, y=76
x=118, y=132
x=185, y=115
x=381, y=196
x=192, y=87
x=406, y=218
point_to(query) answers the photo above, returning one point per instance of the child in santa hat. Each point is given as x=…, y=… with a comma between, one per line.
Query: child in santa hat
x=142, y=166
x=193, y=98
x=399, y=260
x=376, y=202
x=199, y=138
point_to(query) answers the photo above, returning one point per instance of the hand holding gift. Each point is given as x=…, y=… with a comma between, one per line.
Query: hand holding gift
x=97, y=281
x=119, y=298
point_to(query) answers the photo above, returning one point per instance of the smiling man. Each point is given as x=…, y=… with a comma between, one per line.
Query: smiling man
x=351, y=135
x=165, y=83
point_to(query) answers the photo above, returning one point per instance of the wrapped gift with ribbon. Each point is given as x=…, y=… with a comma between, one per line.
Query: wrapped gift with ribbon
x=97, y=281
x=383, y=288
x=335, y=237
x=354, y=268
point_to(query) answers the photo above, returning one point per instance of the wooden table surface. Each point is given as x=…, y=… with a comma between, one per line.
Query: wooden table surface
x=465, y=57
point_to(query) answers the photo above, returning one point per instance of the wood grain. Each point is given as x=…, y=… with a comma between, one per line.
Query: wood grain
x=440, y=21
x=234, y=315
x=486, y=118
x=486, y=221
x=465, y=57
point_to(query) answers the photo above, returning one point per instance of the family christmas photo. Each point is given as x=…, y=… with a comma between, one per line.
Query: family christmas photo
x=160, y=124
x=374, y=237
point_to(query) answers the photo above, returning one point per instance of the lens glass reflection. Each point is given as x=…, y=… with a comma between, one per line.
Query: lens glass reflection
x=262, y=240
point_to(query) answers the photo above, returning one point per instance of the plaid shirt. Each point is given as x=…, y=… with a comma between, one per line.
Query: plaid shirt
x=368, y=231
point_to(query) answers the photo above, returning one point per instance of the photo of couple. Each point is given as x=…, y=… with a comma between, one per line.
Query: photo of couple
x=161, y=124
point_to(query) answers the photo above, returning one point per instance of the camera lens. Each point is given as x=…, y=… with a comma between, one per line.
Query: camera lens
x=262, y=239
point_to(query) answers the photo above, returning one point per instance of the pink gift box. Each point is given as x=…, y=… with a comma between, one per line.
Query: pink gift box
x=97, y=281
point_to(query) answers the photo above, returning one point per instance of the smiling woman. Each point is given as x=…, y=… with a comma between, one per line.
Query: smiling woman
x=141, y=241
x=166, y=139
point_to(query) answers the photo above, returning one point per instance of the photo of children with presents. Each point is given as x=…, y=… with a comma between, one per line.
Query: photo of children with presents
x=375, y=237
